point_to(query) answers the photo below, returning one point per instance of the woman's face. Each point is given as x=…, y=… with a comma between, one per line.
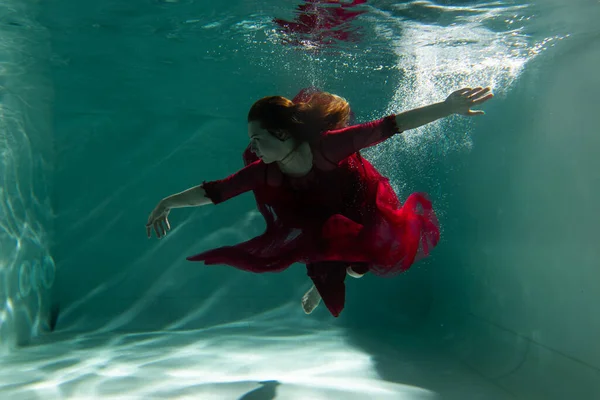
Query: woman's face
x=266, y=145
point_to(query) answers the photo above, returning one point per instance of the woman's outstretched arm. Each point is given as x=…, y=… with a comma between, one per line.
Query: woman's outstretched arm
x=212, y=192
x=192, y=197
x=459, y=102
x=338, y=144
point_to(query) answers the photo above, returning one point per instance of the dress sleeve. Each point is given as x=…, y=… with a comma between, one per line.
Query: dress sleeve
x=246, y=179
x=339, y=144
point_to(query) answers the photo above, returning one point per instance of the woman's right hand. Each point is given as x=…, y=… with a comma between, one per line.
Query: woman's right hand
x=461, y=101
x=158, y=220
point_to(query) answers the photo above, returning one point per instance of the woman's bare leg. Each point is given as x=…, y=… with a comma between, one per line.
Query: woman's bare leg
x=312, y=298
x=353, y=273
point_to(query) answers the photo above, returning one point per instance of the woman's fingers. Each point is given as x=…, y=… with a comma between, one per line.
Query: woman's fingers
x=465, y=98
x=475, y=112
x=159, y=222
x=480, y=100
x=479, y=93
x=482, y=95
x=160, y=225
x=149, y=224
x=478, y=96
x=164, y=226
x=474, y=92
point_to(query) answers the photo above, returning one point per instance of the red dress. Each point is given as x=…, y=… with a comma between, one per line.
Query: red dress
x=342, y=213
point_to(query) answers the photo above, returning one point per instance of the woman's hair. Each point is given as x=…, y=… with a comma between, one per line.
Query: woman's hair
x=305, y=120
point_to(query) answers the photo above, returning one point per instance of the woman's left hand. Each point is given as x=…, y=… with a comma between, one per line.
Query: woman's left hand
x=461, y=101
x=159, y=220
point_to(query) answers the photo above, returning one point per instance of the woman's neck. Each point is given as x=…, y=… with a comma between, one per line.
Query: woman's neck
x=298, y=162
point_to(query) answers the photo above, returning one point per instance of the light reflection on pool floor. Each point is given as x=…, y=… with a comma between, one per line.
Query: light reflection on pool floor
x=294, y=359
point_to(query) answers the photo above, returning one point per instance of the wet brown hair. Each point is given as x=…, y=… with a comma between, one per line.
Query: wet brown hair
x=304, y=121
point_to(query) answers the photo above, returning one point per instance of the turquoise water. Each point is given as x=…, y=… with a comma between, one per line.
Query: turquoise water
x=108, y=107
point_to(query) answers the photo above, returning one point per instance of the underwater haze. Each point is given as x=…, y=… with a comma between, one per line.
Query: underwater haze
x=106, y=107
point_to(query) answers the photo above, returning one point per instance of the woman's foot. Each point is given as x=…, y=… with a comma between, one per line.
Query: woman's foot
x=353, y=273
x=311, y=300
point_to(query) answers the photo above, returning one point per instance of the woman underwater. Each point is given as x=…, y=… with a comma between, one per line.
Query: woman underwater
x=324, y=205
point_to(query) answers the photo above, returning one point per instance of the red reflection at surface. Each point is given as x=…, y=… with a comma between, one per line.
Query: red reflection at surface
x=321, y=22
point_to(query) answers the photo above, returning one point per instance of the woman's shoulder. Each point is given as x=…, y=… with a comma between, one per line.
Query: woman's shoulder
x=319, y=148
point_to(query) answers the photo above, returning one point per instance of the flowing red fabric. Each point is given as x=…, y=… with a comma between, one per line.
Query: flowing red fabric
x=344, y=213
x=321, y=22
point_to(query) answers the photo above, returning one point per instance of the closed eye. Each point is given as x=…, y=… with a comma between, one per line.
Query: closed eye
x=279, y=135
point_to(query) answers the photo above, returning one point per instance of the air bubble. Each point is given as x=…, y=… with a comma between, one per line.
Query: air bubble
x=48, y=272
x=35, y=275
x=25, y=279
